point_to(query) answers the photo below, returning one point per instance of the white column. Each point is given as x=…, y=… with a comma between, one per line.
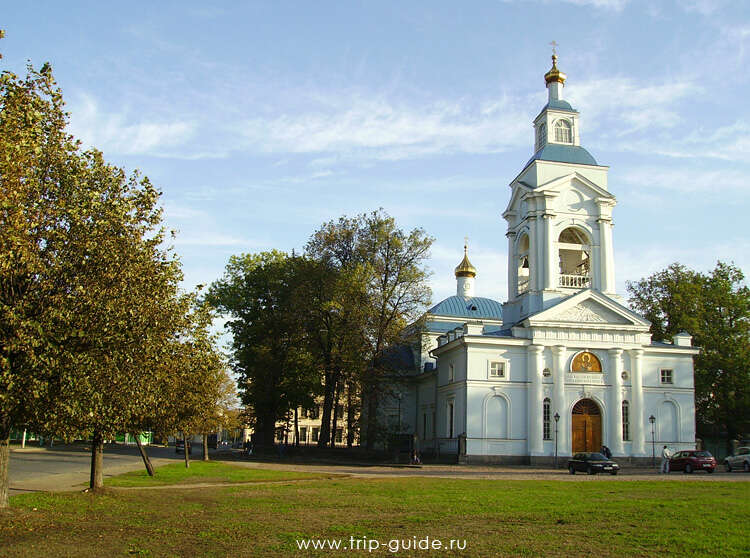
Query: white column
x=534, y=367
x=615, y=411
x=607, y=264
x=532, y=254
x=558, y=376
x=638, y=417
x=512, y=266
x=550, y=265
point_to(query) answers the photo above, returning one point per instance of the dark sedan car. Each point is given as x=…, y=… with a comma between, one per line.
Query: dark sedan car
x=692, y=460
x=592, y=463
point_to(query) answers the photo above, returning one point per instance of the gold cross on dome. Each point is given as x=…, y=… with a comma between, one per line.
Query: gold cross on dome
x=554, y=45
x=466, y=243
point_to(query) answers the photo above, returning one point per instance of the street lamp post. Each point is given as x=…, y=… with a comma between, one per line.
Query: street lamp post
x=652, y=420
x=557, y=418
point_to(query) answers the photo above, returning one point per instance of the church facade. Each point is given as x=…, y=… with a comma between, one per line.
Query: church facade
x=563, y=365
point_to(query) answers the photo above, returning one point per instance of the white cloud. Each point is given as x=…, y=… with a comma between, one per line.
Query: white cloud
x=687, y=180
x=623, y=106
x=382, y=129
x=122, y=132
x=616, y=5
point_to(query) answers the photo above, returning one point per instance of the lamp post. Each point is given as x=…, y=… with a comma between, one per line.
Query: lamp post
x=652, y=420
x=557, y=419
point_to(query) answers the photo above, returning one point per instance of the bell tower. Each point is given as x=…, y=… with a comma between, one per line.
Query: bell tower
x=559, y=216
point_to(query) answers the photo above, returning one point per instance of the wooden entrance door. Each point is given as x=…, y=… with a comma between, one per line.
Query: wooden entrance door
x=587, y=426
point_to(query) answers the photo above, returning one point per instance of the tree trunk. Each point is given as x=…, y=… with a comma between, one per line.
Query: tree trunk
x=23, y=439
x=186, y=449
x=296, y=427
x=325, y=419
x=205, y=447
x=336, y=405
x=4, y=462
x=96, y=481
x=144, y=456
x=349, y=415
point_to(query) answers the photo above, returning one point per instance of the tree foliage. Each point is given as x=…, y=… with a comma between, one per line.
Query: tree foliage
x=269, y=349
x=715, y=308
x=90, y=308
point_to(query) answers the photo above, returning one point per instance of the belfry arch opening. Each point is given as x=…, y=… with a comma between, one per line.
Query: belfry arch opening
x=574, y=251
x=524, y=267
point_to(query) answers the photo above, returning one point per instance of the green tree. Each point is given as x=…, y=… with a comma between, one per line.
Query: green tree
x=269, y=347
x=39, y=169
x=715, y=309
x=88, y=297
x=382, y=282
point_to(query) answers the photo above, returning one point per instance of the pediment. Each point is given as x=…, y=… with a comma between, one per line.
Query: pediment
x=590, y=312
x=588, y=308
x=577, y=181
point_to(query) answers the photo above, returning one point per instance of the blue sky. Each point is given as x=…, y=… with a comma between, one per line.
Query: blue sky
x=259, y=121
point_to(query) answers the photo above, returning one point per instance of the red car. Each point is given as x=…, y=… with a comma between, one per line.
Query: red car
x=692, y=460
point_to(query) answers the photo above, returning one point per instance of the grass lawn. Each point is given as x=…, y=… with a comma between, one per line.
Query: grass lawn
x=495, y=518
x=204, y=472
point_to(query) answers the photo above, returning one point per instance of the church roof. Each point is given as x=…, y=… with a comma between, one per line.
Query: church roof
x=559, y=104
x=468, y=307
x=563, y=154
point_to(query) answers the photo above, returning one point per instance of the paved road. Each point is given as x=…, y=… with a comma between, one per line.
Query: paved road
x=493, y=472
x=67, y=467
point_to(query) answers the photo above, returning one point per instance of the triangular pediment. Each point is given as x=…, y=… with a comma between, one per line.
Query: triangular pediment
x=577, y=181
x=588, y=308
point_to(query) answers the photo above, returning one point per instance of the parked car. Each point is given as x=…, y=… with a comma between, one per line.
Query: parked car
x=740, y=460
x=179, y=446
x=692, y=460
x=592, y=463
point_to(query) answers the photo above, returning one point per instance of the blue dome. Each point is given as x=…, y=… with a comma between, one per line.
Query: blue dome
x=468, y=307
x=563, y=154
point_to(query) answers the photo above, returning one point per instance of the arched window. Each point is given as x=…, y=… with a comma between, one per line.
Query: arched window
x=541, y=136
x=574, y=252
x=546, y=422
x=625, y=421
x=524, y=268
x=563, y=131
x=496, y=417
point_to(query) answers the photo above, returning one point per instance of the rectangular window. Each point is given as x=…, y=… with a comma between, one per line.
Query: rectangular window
x=424, y=426
x=666, y=376
x=339, y=435
x=303, y=434
x=313, y=413
x=339, y=412
x=451, y=373
x=547, y=425
x=315, y=434
x=497, y=370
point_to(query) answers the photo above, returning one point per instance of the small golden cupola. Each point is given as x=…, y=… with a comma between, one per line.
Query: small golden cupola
x=555, y=79
x=555, y=75
x=465, y=274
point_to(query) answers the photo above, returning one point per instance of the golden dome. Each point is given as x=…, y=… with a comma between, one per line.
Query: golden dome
x=554, y=74
x=465, y=269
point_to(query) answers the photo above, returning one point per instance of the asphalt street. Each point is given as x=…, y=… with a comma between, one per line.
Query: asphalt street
x=67, y=467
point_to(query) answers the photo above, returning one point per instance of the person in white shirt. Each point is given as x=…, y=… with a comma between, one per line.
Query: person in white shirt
x=665, y=455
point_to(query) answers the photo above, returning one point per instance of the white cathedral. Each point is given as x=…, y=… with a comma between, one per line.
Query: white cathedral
x=562, y=366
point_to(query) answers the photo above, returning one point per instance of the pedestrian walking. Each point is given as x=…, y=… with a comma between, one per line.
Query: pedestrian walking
x=665, y=455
